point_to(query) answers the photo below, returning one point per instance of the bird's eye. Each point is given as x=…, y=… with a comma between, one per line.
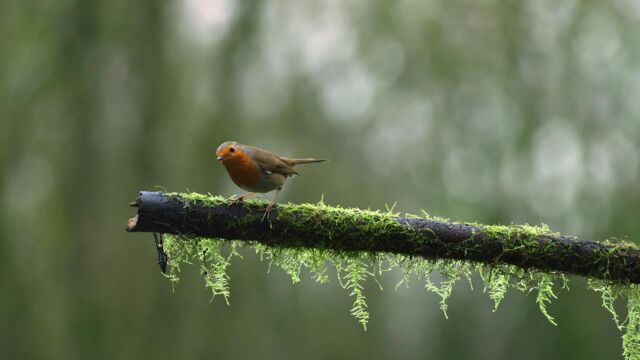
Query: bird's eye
x=232, y=149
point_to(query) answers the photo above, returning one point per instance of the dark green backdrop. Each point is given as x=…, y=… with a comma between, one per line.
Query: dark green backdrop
x=495, y=111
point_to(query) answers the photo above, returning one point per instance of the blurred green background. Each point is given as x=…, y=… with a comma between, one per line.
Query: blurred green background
x=496, y=111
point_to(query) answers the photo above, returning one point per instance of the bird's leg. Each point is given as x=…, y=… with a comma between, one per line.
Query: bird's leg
x=270, y=206
x=242, y=197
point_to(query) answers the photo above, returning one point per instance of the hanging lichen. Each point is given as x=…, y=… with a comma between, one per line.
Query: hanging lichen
x=355, y=274
x=631, y=337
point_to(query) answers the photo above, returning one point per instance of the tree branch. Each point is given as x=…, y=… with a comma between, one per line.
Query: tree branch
x=321, y=226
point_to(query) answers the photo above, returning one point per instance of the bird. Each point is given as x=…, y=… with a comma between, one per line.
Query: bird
x=256, y=170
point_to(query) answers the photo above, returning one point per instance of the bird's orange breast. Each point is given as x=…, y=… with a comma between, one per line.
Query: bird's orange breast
x=243, y=171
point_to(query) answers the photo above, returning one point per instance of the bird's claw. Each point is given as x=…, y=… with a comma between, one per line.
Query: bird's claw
x=266, y=212
x=240, y=198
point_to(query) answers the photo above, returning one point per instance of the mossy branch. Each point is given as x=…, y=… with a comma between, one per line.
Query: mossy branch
x=353, y=230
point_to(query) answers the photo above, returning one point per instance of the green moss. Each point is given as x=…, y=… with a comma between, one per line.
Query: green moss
x=545, y=295
x=356, y=273
x=496, y=284
x=213, y=265
x=353, y=269
x=450, y=272
x=189, y=198
x=631, y=337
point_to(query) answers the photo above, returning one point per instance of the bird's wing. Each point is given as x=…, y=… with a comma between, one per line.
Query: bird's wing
x=271, y=163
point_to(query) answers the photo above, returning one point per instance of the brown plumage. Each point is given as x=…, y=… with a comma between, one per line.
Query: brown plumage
x=257, y=170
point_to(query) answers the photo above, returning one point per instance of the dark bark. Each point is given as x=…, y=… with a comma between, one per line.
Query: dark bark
x=306, y=226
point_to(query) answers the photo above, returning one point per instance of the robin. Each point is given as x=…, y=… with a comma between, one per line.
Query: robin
x=256, y=170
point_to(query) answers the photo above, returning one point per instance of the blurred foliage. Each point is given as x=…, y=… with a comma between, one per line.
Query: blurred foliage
x=498, y=111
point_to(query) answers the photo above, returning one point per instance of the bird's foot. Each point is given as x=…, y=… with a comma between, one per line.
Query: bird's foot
x=267, y=211
x=240, y=198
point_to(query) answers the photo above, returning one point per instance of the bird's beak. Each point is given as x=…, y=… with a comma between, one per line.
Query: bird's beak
x=219, y=158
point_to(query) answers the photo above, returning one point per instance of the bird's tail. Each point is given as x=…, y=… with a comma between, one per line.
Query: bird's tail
x=292, y=162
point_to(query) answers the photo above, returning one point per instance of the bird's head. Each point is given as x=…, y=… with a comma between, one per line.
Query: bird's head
x=229, y=151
